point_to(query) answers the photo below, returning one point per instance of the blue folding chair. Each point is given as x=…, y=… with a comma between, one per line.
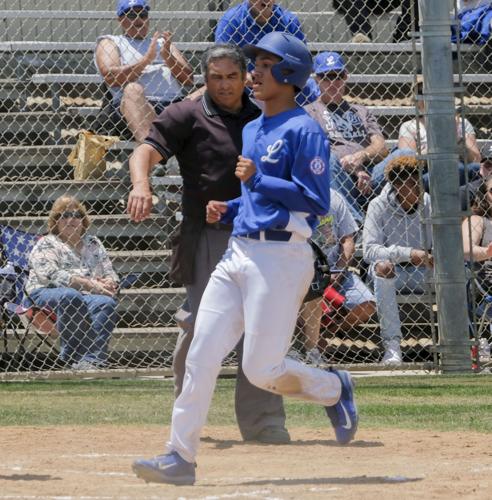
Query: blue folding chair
x=19, y=314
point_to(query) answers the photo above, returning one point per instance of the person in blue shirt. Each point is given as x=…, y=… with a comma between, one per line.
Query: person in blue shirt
x=259, y=285
x=246, y=23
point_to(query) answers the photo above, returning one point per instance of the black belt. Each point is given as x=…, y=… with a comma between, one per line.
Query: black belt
x=269, y=235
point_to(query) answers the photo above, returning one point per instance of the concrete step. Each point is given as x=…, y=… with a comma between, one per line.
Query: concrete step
x=142, y=261
x=105, y=196
x=116, y=231
x=123, y=340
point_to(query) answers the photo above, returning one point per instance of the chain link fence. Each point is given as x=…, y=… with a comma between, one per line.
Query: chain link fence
x=380, y=306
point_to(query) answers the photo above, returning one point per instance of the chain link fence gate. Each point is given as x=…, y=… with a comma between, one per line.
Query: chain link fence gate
x=51, y=91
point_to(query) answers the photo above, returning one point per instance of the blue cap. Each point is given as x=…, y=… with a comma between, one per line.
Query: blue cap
x=328, y=61
x=126, y=5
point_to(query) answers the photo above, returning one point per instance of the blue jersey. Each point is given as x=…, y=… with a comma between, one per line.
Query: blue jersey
x=238, y=27
x=291, y=186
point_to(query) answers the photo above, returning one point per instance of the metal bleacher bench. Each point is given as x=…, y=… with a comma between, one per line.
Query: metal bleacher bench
x=375, y=47
x=57, y=80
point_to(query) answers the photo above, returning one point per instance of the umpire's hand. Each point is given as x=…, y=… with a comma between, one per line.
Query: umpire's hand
x=215, y=210
x=139, y=201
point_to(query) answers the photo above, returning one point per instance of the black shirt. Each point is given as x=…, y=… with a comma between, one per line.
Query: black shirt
x=206, y=141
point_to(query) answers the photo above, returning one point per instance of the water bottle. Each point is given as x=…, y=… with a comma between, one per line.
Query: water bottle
x=483, y=350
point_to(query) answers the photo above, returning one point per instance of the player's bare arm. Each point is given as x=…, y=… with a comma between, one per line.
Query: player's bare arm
x=245, y=168
x=215, y=210
x=140, y=198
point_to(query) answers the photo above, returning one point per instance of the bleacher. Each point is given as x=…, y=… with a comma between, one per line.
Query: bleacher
x=50, y=90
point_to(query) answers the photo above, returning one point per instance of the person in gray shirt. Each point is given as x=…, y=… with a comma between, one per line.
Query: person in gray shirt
x=397, y=247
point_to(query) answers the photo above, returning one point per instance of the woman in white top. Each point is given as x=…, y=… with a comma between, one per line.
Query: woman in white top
x=70, y=272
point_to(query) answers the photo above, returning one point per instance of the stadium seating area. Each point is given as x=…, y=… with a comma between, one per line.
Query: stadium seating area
x=49, y=91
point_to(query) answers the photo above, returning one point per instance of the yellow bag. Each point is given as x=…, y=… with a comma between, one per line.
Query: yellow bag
x=87, y=156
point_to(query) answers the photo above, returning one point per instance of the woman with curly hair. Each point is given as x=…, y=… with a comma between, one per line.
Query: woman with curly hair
x=70, y=272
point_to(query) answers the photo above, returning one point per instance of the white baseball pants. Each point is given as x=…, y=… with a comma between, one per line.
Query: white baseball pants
x=257, y=288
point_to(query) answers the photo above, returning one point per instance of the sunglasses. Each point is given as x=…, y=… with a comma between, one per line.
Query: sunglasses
x=134, y=14
x=75, y=214
x=331, y=76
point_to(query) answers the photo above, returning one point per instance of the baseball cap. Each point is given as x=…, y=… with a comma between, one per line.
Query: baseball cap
x=126, y=5
x=328, y=61
x=486, y=153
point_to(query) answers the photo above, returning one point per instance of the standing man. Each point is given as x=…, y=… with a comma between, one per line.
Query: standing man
x=258, y=286
x=144, y=74
x=205, y=136
x=248, y=22
x=356, y=139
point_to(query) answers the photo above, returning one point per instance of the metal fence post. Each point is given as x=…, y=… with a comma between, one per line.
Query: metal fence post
x=442, y=158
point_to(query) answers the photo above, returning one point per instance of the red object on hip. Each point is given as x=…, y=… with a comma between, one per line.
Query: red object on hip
x=333, y=298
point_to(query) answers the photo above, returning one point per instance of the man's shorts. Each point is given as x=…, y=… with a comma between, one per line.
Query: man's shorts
x=354, y=290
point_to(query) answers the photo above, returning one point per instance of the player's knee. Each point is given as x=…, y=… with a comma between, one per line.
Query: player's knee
x=384, y=270
x=261, y=376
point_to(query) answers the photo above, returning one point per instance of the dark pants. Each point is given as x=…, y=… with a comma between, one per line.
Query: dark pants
x=356, y=14
x=255, y=408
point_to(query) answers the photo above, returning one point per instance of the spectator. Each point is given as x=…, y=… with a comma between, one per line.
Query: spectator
x=477, y=235
x=335, y=235
x=409, y=139
x=205, y=135
x=357, y=14
x=468, y=191
x=356, y=139
x=246, y=23
x=144, y=73
x=394, y=247
x=70, y=272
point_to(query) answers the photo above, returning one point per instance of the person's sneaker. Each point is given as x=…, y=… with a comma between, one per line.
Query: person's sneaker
x=392, y=355
x=314, y=357
x=272, y=434
x=84, y=365
x=169, y=468
x=343, y=415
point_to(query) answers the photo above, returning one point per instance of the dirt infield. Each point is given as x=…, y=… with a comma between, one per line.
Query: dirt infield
x=94, y=463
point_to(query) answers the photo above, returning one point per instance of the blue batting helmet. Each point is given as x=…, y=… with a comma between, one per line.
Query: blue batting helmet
x=296, y=64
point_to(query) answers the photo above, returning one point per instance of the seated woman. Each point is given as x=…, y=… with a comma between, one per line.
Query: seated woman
x=414, y=131
x=477, y=236
x=70, y=272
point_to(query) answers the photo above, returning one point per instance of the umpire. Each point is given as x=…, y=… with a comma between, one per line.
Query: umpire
x=205, y=135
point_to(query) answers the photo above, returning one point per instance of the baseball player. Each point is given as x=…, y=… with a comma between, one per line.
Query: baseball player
x=259, y=284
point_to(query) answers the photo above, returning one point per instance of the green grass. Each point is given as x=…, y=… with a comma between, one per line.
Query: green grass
x=432, y=402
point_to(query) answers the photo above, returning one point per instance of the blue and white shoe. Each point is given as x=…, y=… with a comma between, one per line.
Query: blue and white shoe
x=343, y=415
x=169, y=468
